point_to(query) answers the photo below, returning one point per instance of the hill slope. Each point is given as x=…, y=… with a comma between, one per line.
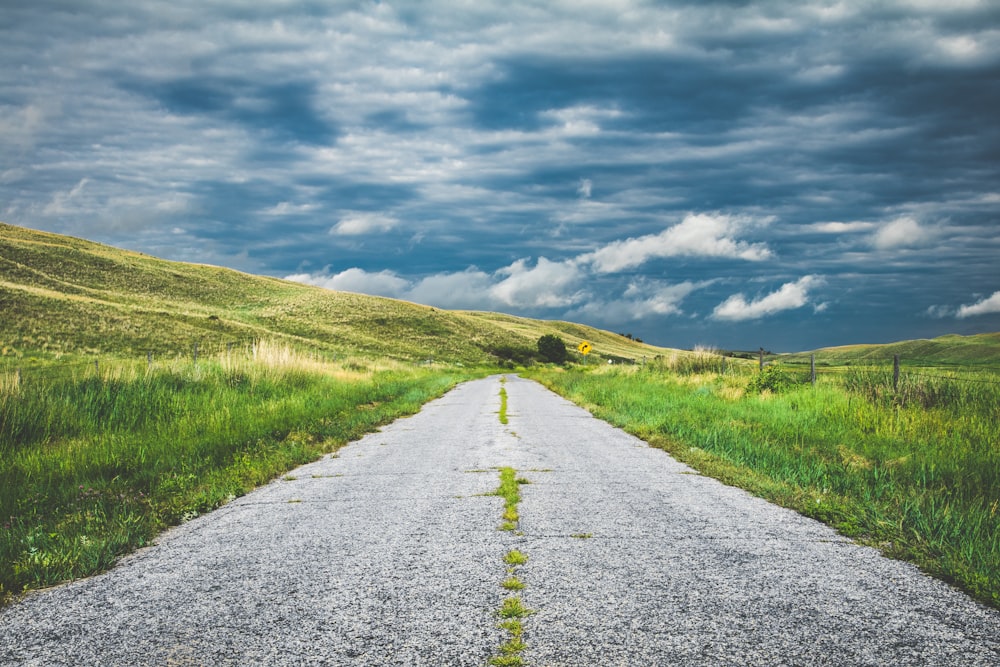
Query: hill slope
x=60, y=294
x=950, y=350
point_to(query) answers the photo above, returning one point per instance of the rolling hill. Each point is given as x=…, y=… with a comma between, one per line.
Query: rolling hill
x=62, y=295
x=952, y=350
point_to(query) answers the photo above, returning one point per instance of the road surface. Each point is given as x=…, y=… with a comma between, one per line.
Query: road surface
x=388, y=553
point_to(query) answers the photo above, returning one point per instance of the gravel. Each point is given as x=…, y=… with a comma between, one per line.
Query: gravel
x=388, y=553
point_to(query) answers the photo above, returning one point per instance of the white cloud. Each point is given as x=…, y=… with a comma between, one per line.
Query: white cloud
x=548, y=284
x=642, y=298
x=467, y=289
x=358, y=223
x=381, y=283
x=841, y=227
x=990, y=304
x=63, y=203
x=939, y=312
x=788, y=297
x=902, y=232
x=701, y=235
x=288, y=208
x=585, y=189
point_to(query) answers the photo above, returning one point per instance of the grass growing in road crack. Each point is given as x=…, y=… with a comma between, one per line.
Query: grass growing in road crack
x=503, y=406
x=515, y=558
x=509, y=491
x=513, y=609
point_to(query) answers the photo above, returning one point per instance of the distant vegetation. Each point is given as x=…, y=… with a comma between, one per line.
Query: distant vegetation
x=552, y=348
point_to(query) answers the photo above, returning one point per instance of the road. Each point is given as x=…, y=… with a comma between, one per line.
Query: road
x=388, y=553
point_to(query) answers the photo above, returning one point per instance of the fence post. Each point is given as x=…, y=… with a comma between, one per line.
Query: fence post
x=895, y=372
x=229, y=348
x=149, y=359
x=812, y=369
x=18, y=377
x=761, y=362
x=96, y=367
x=196, y=353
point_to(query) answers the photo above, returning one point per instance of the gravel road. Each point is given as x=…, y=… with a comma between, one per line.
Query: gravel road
x=388, y=553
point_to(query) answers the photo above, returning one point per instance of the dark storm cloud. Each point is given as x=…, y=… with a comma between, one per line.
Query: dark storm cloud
x=279, y=111
x=730, y=173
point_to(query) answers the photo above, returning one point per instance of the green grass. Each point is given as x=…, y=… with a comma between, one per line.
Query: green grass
x=503, y=406
x=509, y=490
x=62, y=295
x=917, y=477
x=93, y=465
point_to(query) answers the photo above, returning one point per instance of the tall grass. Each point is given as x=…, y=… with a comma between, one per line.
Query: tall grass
x=918, y=479
x=94, y=464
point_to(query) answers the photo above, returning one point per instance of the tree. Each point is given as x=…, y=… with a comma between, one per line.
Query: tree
x=552, y=348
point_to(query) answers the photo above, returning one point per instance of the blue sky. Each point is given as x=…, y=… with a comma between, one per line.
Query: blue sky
x=739, y=174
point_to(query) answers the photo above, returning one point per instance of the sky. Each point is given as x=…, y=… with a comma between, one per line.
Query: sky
x=787, y=175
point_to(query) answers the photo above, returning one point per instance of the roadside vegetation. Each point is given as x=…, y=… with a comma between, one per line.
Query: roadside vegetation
x=95, y=462
x=912, y=469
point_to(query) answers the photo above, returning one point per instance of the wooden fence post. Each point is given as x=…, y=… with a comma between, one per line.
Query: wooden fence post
x=812, y=369
x=761, y=362
x=149, y=359
x=18, y=377
x=895, y=372
x=96, y=367
x=196, y=353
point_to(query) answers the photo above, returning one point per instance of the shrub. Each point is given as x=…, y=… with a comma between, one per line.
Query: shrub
x=772, y=378
x=552, y=348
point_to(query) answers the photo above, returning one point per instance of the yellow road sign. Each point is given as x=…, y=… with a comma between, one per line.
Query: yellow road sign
x=584, y=347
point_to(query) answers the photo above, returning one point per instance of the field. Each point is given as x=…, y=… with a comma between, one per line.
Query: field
x=913, y=471
x=95, y=463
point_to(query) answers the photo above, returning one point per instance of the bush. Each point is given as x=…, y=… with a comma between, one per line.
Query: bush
x=773, y=379
x=552, y=349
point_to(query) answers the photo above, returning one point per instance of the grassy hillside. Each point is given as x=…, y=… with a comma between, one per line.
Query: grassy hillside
x=951, y=350
x=66, y=295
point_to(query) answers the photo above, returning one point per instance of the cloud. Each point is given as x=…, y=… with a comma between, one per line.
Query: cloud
x=595, y=135
x=699, y=235
x=469, y=289
x=902, y=232
x=642, y=299
x=381, y=283
x=548, y=284
x=357, y=224
x=841, y=227
x=788, y=297
x=287, y=208
x=990, y=304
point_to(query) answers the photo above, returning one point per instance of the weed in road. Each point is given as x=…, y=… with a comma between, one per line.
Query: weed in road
x=513, y=608
x=515, y=558
x=503, y=406
x=509, y=491
x=512, y=583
